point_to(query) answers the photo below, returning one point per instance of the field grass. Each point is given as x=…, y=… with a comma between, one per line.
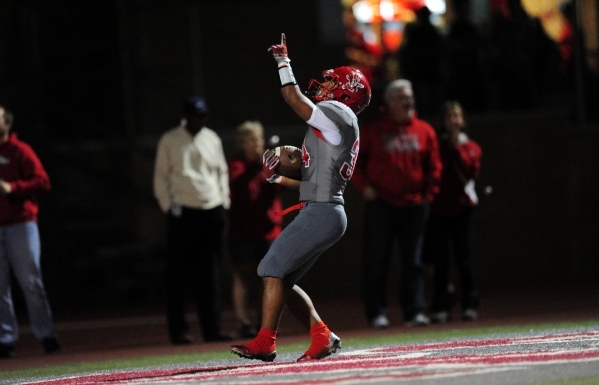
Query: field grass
x=374, y=340
x=581, y=381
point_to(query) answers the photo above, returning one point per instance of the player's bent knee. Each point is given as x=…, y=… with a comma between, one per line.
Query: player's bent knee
x=265, y=271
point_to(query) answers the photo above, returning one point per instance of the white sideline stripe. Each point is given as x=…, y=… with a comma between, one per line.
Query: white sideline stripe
x=357, y=375
x=591, y=337
x=375, y=352
x=397, y=371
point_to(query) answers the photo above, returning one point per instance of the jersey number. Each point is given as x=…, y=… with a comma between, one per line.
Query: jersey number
x=305, y=156
x=347, y=170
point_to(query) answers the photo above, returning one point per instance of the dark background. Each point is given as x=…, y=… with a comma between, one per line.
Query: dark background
x=93, y=84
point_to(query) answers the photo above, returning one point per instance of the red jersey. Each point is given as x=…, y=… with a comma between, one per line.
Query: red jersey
x=254, y=201
x=20, y=167
x=401, y=161
x=461, y=164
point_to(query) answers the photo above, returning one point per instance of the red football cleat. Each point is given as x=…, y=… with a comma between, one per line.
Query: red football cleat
x=332, y=347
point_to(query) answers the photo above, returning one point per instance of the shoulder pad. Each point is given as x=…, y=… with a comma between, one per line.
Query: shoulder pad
x=338, y=112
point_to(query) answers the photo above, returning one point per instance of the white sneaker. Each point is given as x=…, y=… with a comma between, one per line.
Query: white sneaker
x=418, y=320
x=380, y=322
x=440, y=317
x=470, y=315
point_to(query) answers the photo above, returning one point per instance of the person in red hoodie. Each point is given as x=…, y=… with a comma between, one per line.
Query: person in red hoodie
x=450, y=224
x=253, y=222
x=398, y=173
x=22, y=176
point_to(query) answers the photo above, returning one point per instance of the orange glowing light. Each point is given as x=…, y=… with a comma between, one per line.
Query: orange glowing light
x=392, y=39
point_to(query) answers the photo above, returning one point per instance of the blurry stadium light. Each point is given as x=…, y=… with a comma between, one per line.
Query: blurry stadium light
x=382, y=21
x=376, y=29
x=391, y=36
x=377, y=11
x=363, y=11
x=437, y=7
x=552, y=19
x=387, y=10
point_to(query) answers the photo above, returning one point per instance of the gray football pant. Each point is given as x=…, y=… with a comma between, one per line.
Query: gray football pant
x=317, y=227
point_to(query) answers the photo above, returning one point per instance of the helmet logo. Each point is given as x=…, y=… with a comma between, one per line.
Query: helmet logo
x=353, y=83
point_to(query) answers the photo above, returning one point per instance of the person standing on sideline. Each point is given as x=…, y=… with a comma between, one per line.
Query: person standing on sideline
x=191, y=184
x=398, y=173
x=329, y=153
x=420, y=58
x=450, y=224
x=253, y=223
x=22, y=177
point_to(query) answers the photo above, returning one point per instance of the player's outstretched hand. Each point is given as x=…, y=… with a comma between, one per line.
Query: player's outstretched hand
x=270, y=164
x=279, y=51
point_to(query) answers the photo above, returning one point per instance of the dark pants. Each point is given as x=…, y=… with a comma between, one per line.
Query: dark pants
x=446, y=237
x=383, y=224
x=195, y=243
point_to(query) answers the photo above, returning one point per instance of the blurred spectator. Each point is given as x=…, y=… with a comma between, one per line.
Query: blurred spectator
x=191, y=185
x=397, y=172
x=22, y=177
x=464, y=80
x=449, y=229
x=523, y=58
x=371, y=59
x=366, y=57
x=420, y=57
x=253, y=224
x=577, y=68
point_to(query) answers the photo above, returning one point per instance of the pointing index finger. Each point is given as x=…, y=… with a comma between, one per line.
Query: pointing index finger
x=283, y=40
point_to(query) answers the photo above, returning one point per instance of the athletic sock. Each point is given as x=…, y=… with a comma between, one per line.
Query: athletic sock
x=265, y=341
x=320, y=339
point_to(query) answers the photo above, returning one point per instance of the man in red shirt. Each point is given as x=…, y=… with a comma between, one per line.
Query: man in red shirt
x=398, y=172
x=22, y=176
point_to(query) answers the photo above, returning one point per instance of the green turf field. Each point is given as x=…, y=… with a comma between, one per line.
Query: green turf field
x=374, y=340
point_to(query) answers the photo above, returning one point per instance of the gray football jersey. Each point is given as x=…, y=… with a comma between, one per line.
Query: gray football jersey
x=327, y=167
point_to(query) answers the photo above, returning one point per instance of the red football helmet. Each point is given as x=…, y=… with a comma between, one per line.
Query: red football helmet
x=344, y=84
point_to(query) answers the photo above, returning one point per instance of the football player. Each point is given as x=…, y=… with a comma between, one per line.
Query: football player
x=329, y=154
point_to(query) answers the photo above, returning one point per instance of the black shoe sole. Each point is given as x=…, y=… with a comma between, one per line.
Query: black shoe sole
x=268, y=358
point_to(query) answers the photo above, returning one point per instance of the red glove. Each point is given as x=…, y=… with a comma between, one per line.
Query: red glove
x=279, y=51
x=270, y=164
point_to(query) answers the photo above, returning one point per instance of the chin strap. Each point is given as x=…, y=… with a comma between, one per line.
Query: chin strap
x=297, y=206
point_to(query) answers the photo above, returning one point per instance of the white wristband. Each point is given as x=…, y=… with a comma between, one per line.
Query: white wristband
x=286, y=75
x=274, y=179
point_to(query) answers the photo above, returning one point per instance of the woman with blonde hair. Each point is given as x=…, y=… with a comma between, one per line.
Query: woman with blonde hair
x=252, y=222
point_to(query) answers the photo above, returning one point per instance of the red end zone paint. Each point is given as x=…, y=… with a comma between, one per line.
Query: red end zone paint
x=434, y=360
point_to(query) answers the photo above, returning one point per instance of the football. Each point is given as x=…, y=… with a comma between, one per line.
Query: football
x=291, y=162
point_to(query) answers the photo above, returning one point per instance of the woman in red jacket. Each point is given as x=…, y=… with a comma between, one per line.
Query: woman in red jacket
x=449, y=230
x=253, y=222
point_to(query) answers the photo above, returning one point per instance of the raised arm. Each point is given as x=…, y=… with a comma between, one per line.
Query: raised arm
x=289, y=89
